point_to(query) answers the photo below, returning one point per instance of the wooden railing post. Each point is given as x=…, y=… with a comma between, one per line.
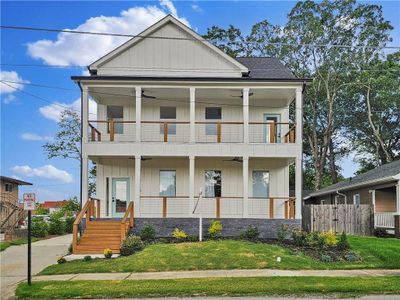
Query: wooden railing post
x=111, y=124
x=165, y=132
x=131, y=215
x=218, y=132
x=92, y=133
x=271, y=208
x=164, y=207
x=292, y=135
x=75, y=237
x=291, y=215
x=98, y=136
x=98, y=209
x=286, y=210
x=218, y=205
x=272, y=132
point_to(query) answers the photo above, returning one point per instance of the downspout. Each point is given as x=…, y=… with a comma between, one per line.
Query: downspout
x=80, y=165
x=343, y=195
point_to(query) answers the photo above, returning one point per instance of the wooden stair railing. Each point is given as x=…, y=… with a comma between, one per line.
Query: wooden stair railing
x=290, y=135
x=90, y=209
x=126, y=224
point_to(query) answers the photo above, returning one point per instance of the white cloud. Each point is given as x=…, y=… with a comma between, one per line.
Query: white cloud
x=81, y=49
x=53, y=111
x=46, y=171
x=6, y=89
x=27, y=136
x=197, y=8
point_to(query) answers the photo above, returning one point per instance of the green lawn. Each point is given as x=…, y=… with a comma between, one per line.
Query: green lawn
x=297, y=286
x=233, y=254
x=5, y=244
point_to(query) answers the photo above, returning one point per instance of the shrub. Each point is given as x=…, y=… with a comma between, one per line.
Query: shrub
x=343, y=243
x=192, y=238
x=87, y=258
x=131, y=244
x=148, y=233
x=316, y=239
x=330, y=237
x=69, y=224
x=326, y=258
x=56, y=224
x=381, y=233
x=39, y=228
x=70, y=249
x=215, y=229
x=283, y=232
x=179, y=234
x=107, y=253
x=61, y=260
x=351, y=257
x=299, y=238
x=251, y=233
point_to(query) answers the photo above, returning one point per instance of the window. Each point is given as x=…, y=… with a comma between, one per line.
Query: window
x=8, y=187
x=116, y=113
x=261, y=184
x=168, y=183
x=213, y=184
x=168, y=113
x=356, y=199
x=212, y=113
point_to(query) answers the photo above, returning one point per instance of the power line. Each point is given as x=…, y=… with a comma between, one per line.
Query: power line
x=184, y=39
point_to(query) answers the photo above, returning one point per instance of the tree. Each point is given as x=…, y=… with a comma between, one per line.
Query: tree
x=40, y=210
x=70, y=206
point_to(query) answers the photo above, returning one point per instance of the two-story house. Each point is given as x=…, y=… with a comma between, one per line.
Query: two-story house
x=177, y=117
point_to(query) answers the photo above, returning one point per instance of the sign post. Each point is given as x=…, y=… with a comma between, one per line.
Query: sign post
x=29, y=205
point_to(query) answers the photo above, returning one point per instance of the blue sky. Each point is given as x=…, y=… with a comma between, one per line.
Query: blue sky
x=28, y=122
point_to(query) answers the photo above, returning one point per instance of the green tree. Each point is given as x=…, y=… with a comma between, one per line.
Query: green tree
x=40, y=210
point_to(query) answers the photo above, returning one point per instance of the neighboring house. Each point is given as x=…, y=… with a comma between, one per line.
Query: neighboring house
x=379, y=187
x=52, y=206
x=10, y=213
x=176, y=116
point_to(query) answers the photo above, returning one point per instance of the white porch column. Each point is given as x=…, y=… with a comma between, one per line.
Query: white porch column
x=138, y=113
x=299, y=187
x=192, y=116
x=191, y=184
x=373, y=198
x=138, y=161
x=84, y=179
x=246, y=115
x=245, y=186
x=85, y=113
x=299, y=116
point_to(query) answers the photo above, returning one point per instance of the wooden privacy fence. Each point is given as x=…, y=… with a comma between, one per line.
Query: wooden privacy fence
x=350, y=218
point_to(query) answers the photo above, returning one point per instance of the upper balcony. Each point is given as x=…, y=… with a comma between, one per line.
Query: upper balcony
x=189, y=115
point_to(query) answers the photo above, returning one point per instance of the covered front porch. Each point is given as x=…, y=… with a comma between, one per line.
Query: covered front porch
x=385, y=206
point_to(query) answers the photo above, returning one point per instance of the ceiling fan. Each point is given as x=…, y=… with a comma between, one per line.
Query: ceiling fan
x=241, y=96
x=147, y=96
x=235, y=159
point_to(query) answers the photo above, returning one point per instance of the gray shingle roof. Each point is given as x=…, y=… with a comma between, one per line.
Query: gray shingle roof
x=266, y=67
x=382, y=172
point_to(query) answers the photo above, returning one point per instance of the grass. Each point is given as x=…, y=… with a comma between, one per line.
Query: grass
x=234, y=254
x=5, y=244
x=297, y=286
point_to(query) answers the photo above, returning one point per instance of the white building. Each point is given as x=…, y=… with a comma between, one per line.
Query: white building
x=176, y=116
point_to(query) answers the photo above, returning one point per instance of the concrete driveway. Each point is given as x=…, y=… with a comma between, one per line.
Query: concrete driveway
x=14, y=261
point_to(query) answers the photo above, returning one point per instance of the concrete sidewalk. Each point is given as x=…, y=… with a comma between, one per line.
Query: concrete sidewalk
x=14, y=261
x=216, y=273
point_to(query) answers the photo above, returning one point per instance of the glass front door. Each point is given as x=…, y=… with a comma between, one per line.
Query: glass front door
x=120, y=196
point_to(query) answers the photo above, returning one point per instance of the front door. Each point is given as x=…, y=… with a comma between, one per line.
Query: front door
x=272, y=118
x=120, y=196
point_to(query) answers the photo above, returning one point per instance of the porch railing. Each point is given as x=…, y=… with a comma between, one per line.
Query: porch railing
x=162, y=206
x=384, y=220
x=111, y=131
x=89, y=210
x=127, y=224
x=272, y=207
x=165, y=131
x=219, y=132
x=271, y=132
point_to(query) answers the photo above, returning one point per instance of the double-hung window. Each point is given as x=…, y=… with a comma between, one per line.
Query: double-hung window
x=356, y=199
x=8, y=187
x=213, y=183
x=213, y=113
x=260, y=184
x=168, y=113
x=168, y=183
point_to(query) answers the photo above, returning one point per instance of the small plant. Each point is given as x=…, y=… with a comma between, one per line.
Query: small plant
x=330, y=237
x=179, y=234
x=283, y=232
x=251, y=233
x=215, y=229
x=148, y=233
x=192, y=238
x=326, y=258
x=61, y=260
x=299, y=238
x=87, y=258
x=107, y=253
x=343, y=243
x=131, y=244
x=351, y=257
x=381, y=233
x=39, y=228
x=69, y=224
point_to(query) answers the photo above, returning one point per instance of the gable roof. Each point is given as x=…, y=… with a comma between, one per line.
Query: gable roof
x=266, y=68
x=13, y=180
x=155, y=27
x=381, y=174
